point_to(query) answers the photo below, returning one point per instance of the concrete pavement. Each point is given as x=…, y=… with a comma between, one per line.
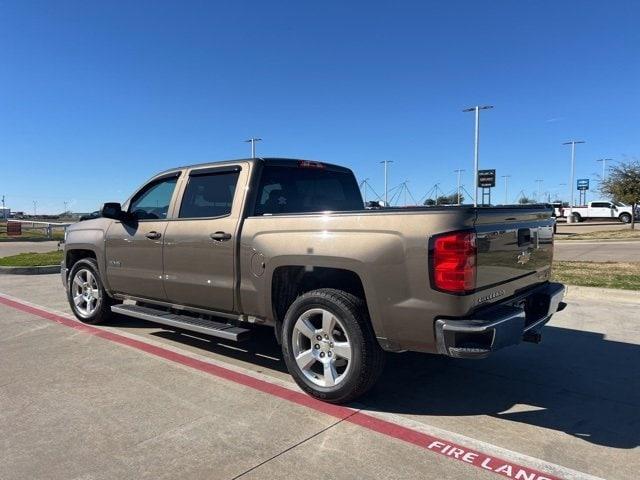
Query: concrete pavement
x=79, y=406
x=594, y=226
x=594, y=251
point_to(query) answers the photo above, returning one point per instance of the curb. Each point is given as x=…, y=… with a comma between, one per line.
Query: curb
x=41, y=270
x=576, y=292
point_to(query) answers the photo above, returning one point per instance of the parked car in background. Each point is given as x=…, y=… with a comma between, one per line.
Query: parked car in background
x=602, y=210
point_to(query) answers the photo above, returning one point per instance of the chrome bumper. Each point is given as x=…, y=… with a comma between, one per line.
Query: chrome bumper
x=501, y=325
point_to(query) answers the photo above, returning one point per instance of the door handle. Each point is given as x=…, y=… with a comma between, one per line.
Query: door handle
x=220, y=236
x=153, y=235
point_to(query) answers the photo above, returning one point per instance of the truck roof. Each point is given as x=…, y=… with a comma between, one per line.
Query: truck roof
x=277, y=161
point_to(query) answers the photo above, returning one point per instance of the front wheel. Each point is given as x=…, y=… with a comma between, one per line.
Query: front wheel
x=625, y=218
x=329, y=345
x=576, y=217
x=86, y=294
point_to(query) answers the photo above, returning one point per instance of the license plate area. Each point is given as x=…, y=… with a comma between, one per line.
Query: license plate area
x=535, y=306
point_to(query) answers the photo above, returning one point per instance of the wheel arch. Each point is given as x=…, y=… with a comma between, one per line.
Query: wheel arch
x=288, y=282
x=79, y=252
x=624, y=215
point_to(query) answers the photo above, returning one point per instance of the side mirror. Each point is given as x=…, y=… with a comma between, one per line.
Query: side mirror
x=112, y=210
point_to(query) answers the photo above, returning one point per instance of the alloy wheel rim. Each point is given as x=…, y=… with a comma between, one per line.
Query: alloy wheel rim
x=321, y=347
x=85, y=292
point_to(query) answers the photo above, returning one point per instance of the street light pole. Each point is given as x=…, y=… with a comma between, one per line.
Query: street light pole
x=604, y=166
x=539, y=182
x=459, y=172
x=506, y=188
x=573, y=172
x=476, y=146
x=253, y=141
x=364, y=189
x=386, y=191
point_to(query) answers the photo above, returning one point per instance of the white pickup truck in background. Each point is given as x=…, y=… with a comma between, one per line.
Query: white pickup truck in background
x=598, y=210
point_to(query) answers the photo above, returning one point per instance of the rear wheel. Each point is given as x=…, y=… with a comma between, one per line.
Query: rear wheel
x=330, y=347
x=625, y=218
x=86, y=294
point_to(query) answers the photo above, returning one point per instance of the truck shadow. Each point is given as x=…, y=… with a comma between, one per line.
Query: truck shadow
x=576, y=382
x=261, y=349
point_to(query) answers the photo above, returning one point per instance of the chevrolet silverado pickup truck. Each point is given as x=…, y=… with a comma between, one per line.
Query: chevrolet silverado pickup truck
x=287, y=243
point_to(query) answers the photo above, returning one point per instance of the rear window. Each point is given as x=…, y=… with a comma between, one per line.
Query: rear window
x=301, y=190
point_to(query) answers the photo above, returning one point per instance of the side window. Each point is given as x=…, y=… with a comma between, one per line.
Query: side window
x=209, y=195
x=152, y=202
x=601, y=205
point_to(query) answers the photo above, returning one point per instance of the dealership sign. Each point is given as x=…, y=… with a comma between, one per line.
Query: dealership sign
x=583, y=184
x=486, y=178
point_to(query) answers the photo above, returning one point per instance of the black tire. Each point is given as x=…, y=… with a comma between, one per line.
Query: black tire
x=367, y=358
x=102, y=311
x=576, y=217
x=625, y=218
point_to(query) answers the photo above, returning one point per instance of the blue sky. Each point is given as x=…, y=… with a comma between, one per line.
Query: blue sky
x=95, y=97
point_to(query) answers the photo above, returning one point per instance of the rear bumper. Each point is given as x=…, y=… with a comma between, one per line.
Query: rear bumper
x=501, y=325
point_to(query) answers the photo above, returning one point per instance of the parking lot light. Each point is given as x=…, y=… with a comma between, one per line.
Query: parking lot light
x=573, y=169
x=476, y=145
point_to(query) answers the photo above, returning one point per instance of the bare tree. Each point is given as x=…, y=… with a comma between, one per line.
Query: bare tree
x=623, y=185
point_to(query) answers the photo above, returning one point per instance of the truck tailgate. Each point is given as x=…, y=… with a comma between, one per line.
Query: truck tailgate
x=513, y=243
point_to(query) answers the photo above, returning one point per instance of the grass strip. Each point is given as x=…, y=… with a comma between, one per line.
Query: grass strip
x=32, y=259
x=621, y=275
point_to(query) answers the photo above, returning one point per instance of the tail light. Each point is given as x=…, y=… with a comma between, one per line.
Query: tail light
x=453, y=262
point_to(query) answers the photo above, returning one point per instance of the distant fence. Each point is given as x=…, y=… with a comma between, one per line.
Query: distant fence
x=32, y=229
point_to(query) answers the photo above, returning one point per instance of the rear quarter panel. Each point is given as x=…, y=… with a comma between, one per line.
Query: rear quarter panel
x=387, y=250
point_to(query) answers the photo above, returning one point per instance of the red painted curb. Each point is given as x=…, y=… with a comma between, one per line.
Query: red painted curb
x=438, y=445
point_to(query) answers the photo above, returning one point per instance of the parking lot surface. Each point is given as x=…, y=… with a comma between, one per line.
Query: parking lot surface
x=136, y=400
x=590, y=226
x=594, y=251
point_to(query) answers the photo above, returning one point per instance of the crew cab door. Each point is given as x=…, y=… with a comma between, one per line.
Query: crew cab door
x=199, y=250
x=601, y=210
x=134, y=247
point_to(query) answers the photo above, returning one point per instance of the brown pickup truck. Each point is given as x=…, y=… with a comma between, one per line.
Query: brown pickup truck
x=288, y=243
